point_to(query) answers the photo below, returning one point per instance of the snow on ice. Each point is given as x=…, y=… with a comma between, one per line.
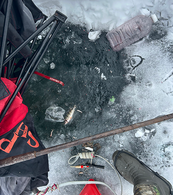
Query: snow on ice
x=149, y=96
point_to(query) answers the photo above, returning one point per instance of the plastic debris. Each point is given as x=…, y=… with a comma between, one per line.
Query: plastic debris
x=112, y=99
x=131, y=31
x=94, y=35
x=89, y=148
x=55, y=114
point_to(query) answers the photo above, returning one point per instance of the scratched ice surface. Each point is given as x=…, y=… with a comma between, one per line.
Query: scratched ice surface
x=107, y=91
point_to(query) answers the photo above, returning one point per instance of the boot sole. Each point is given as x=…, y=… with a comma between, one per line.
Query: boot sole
x=117, y=153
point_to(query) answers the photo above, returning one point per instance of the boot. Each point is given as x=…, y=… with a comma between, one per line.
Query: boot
x=145, y=180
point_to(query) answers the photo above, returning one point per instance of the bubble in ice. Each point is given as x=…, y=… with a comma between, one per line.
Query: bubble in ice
x=72, y=38
x=103, y=77
x=97, y=109
x=46, y=60
x=55, y=114
x=98, y=69
x=52, y=65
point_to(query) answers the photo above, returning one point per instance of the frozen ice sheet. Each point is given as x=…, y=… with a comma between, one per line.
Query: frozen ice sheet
x=107, y=14
x=145, y=97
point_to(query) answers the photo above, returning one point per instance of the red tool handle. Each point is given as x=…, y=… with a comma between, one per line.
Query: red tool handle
x=49, y=78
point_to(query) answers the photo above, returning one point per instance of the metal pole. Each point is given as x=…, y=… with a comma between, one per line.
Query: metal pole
x=10, y=64
x=48, y=22
x=31, y=155
x=21, y=72
x=56, y=27
x=32, y=45
x=4, y=37
x=26, y=61
x=25, y=76
x=57, y=16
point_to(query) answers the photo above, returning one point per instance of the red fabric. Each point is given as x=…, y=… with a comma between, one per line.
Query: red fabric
x=15, y=113
x=90, y=189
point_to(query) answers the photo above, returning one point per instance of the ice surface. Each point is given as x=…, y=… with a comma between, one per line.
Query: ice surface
x=150, y=93
x=106, y=14
x=147, y=95
x=72, y=38
x=145, y=12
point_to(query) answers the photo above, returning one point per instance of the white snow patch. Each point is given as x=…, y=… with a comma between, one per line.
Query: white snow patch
x=94, y=35
x=140, y=133
x=105, y=14
x=145, y=12
x=103, y=77
x=149, y=94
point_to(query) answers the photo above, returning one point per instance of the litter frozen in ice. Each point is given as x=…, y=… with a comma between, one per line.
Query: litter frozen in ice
x=46, y=60
x=111, y=100
x=131, y=31
x=55, y=114
x=94, y=35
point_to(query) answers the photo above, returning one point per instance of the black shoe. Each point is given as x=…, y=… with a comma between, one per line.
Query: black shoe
x=136, y=172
